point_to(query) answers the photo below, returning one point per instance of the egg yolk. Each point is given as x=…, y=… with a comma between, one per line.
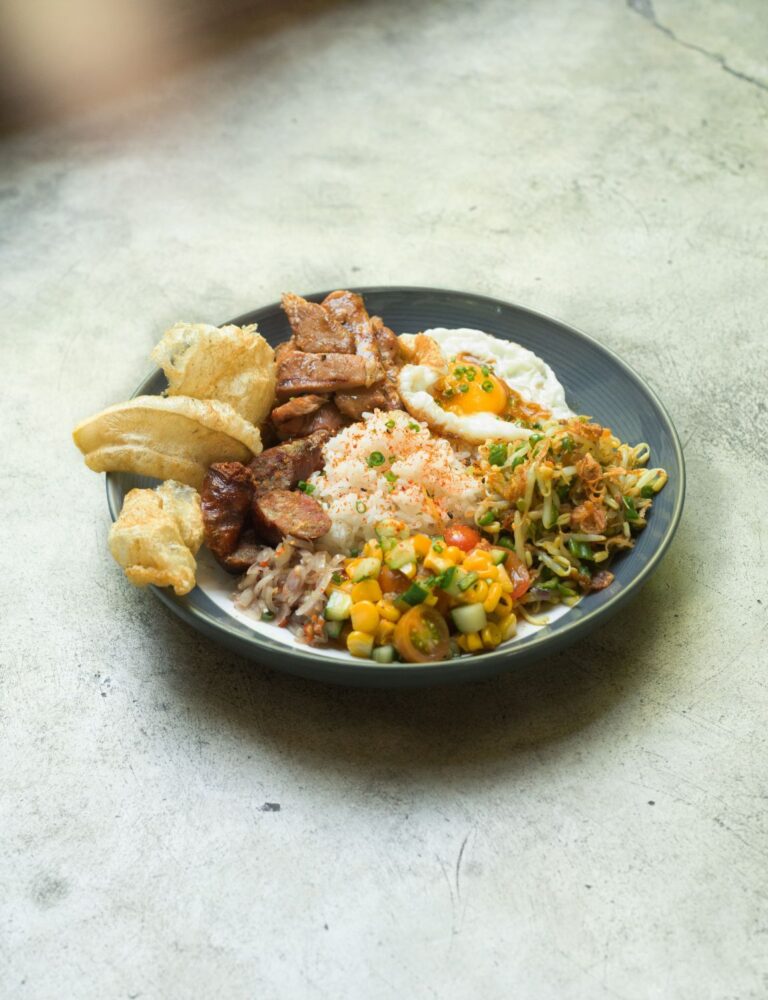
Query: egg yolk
x=469, y=388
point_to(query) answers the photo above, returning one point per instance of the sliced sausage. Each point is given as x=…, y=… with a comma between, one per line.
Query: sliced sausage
x=280, y=513
x=244, y=556
x=282, y=467
x=225, y=500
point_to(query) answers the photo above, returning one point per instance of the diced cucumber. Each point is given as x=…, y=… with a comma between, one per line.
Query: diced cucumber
x=333, y=629
x=498, y=556
x=415, y=594
x=469, y=618
x=402, y=553
x=467, y=580
x=445, y=579
x=390, y=528
x=383, y=654
x=366, y=569
x=452, y=585
x=338, y=606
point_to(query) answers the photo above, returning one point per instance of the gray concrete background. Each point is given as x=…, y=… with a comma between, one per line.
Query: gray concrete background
x=593, y=827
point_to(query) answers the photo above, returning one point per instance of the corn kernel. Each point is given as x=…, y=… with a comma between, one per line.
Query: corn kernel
x=430, y=601
x=436, y=562
x=384, y=632
x=350, y=566
x=409, y=570
x=488, y=572
x=360, y=644
x=506, y=584
x=491, y=636
x=372, y=549
x=479, y=559
x=364, y=617
x=503, y=606
x=455, y=554
x=477, y=593
x=422, y=544
x=366, y=590
x=471, y=642
x=387, y=610
x=508, y=627
x=493, y=598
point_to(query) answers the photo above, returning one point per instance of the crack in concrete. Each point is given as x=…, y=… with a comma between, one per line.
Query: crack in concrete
x=645, y=9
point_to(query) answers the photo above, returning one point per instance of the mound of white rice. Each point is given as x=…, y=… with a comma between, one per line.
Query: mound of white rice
x=422, y=481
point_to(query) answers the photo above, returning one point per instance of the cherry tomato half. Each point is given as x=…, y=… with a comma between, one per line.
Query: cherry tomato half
x=518, y=574
x=392, y=581
x=462, y=536
x=421, y=635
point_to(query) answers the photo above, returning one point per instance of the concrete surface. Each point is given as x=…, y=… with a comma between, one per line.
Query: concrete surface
x=179, y=823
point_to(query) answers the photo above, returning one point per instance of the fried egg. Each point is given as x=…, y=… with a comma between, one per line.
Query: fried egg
x=485, y=389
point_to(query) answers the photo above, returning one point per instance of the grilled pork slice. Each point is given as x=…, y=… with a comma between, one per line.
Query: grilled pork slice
x=326, y=419
x=285, y=465
x=280, y=513
x=225, y=501
x=299, y=373
x=383, y=395
x=295, y=410
x=348, y=309
x=379, y=397
x=303, y=415
x=315, y=329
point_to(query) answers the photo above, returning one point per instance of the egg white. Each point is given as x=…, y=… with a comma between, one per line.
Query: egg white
x=415, y=383
x=521, y=369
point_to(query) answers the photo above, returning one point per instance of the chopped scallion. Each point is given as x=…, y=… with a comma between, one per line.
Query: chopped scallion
x=497, y=453
x=629, y=507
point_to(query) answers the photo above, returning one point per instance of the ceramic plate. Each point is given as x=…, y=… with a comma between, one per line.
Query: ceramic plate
x=596, y=382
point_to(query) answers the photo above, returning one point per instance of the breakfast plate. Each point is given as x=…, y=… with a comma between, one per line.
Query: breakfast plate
x=596, y=382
